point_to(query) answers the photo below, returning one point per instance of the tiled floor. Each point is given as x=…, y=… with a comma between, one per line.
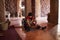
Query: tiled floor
x=35, y=34
x=19, y=34
x=39, y=35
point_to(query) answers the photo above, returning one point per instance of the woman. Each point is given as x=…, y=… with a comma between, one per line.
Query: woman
x=29, y=22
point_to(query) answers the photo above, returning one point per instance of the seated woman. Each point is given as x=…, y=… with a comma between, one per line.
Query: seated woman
x=31, y=20
x=30, y=23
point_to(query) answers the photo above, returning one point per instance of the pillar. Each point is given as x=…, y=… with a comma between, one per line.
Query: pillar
x=53, y=16
x=37, y=8
x=33, y=7
x=28, y=6
x=18, y=7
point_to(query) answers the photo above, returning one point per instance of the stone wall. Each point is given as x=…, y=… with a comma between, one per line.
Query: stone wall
x=2, y=19
x=11, y=6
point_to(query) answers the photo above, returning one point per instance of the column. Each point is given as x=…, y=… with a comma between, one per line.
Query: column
x=18, y=7
x=53, y=12
x=38, y=11
x=28, y=6
x=37, y=8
